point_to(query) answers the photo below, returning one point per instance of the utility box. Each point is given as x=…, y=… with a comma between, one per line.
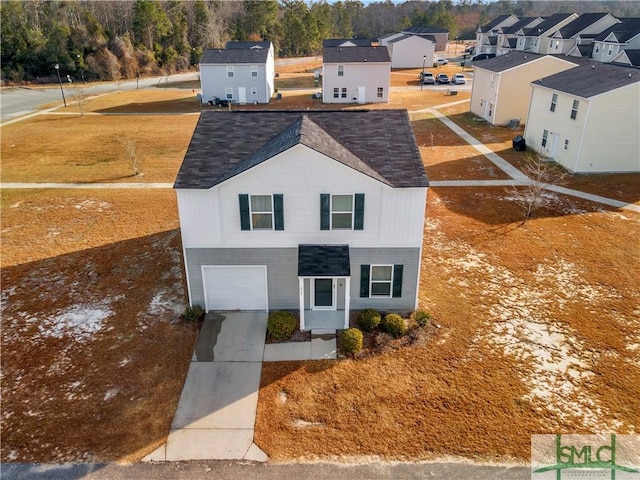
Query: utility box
x=519, y=144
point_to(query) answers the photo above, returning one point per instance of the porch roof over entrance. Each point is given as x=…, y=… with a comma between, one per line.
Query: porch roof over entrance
x=323, y=261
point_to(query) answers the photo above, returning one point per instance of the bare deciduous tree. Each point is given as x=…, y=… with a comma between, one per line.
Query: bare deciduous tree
x=541, y=173
x=129, y=145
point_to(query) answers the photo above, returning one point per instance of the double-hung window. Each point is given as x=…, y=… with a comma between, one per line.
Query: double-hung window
x=380, y=92
x=336, y=93
x=344, y=92
x=342, y=212
x=574, y=109
x=554, y=102
x=261, y=212
x=381, y=281
x=545, y=137
x=254, y=71
x=341, y=70
x=230, y=72
x=228, y=93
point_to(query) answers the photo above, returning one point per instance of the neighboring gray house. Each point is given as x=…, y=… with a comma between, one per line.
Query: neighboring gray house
x=243, y=72
x=622, y=36
x=301, y=210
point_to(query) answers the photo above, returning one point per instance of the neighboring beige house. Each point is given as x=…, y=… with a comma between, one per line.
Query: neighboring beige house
x=356, y=75
x=537, y=39
x=501, y=86
x=505, y=40
x=586, y=118
x=411, y=51
x=490, y=30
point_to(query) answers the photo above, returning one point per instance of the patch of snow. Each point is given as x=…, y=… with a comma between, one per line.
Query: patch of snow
x=282, y=396
x=77, y=321
x=124, y=362
x=300, y=423
x=112, y=392
x=94, y=205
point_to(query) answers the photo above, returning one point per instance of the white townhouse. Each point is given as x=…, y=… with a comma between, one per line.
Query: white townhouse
x=411, y=51
x=505, y=39
x=243, y=72
x=318, y=211
x=585, y=28
x=537, y=39
x=490, y=31
x=587, y=118
x=616, y=39
x=502, y=85
x=356, y=75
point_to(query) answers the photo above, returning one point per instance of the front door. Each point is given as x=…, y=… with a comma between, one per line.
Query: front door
x=362, y=94
x=242, y=95
x=323, y=294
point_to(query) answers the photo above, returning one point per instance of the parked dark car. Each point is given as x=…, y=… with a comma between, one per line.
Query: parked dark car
x=220, y=102
x=482, y=56
x=442, y=78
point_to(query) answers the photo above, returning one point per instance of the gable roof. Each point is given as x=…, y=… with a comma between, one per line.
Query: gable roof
x=225, y=144
x=591, y=79
x=355, y=55
x=426, y=38
x=632, y=56
x=345, y=42
x=510, y=60
x=522, y=23
x=494, y=23
x=585, y=20
x=547, y=25
x=418, y=29
x=623, y=31
x=237, y=52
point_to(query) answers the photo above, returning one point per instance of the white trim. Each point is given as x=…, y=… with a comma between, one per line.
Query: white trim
x=353, y=210
x=186, y=272
x=371, y=281
x=204, y=281
x=301, y=300
x=251, y=212
x=347, y=301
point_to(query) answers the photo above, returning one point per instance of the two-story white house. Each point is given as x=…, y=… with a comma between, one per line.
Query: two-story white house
x=587, y=118
x=485, y=32
x=317, y=211
x=411, y=51
x=501, y=89
x=243, y=72
x=356, y=75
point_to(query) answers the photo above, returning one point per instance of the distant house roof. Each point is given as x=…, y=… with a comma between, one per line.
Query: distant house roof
x=548, y=24
x=377, y=143
x=355, y=55
x=510, y=60
x=416, y=30
x=493, y=23
x=591, y=79
x=522, y=23
x=573, y=28
x=237, y=52
x=628, y=57
x=346, y=42
x=428, y=38
x=623, y=31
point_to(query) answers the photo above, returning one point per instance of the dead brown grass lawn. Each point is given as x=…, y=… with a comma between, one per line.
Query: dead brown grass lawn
x=539, y=334
x=146, y=101
x=92, y=361
x=55, y=148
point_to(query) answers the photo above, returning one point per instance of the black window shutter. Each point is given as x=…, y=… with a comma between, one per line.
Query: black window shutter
x=278, y=211
x=358, y=221
x=245, y=220
x=364, y=280
x=397, y=280
x=325, y=200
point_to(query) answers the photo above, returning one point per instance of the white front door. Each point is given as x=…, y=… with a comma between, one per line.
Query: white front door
x=242, y=95
x=323, y=294
x=362, y=94
x=554, y=145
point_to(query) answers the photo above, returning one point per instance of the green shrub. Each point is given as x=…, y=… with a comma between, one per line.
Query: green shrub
x=369, y=319
x=351, y=340
x=193, y=313
x=421, y=317
x=394, y=325
x=281, y=324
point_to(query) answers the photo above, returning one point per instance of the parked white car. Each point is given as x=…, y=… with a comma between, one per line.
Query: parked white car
x=458, y=79
x=441, y=61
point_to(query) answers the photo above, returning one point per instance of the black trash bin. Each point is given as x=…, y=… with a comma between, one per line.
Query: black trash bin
x=519, y=144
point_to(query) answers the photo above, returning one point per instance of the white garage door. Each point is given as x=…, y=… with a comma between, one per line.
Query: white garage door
x=235, y=287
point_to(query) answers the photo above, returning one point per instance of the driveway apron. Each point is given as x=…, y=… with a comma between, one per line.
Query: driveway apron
x=216, y=413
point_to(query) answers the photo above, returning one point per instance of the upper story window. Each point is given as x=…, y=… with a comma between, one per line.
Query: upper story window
x=254, y=70
x=557, y=44
x=554, y=102
x=574, y=109
x=341, y=70
x=230, y=71
x=597, y=49
x=610, y=51
x=493, y=80
x=342, y=212
x=566, y=144
x=261, y=212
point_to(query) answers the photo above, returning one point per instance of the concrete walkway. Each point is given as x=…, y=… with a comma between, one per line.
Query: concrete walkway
x=321, y=347
x=216, y=413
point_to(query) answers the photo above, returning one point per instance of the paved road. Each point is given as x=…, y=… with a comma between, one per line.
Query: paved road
x=252, y=471
x=17, y=101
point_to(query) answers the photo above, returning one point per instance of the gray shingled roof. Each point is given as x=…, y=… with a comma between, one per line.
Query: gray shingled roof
x=591, y=79
x=419, y=30
x=585, y=20
x=377, y=143
x=237, y=52
x=624, y=31
x=633, y=56
x=323, y=261
x=522, y=23
x=356, y=55
x=493, y=23
x=404, y=37
x=549, y=23
x=510, y=60
x=338, y=42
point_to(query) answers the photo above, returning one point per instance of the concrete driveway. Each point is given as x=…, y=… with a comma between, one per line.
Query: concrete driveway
x=216, y=413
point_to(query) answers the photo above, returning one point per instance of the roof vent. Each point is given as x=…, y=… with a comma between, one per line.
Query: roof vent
x=593, y=67
x=629, y=74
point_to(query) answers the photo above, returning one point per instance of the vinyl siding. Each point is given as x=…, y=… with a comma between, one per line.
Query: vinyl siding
x=214, y=81
x=282, y=274
x=368, y=75
x=409, y=53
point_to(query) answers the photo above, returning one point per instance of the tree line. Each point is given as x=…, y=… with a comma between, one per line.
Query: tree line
x=114, y=39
